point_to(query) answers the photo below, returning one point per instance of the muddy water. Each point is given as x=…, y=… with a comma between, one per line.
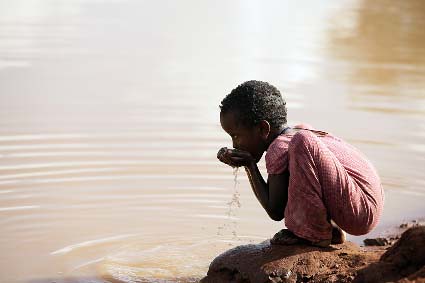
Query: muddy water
x=109, y=123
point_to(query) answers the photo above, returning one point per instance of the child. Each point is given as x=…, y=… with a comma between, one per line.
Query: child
x=316, y=181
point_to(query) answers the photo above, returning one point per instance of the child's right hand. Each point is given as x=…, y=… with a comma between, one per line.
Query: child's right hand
x=223, y=156
x=234, y=157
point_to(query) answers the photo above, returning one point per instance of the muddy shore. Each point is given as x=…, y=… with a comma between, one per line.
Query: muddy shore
x=396, y=257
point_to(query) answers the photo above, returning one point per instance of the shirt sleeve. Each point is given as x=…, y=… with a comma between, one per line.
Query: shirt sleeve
x=277, y=157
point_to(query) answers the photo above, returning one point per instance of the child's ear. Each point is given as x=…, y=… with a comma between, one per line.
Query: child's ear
x=264, y=129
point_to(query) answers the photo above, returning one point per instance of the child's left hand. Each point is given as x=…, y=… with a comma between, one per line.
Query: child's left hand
x=234, y=157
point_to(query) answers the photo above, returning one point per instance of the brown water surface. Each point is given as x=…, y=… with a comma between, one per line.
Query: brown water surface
x=109, y=124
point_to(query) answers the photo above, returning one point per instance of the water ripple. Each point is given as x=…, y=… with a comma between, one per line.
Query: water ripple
x=14, y=208
x=91, y=243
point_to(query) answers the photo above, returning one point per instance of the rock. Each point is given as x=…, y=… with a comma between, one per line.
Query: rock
x=405, y=260
x=266, y=263
x=376, y=242
x=297, y=263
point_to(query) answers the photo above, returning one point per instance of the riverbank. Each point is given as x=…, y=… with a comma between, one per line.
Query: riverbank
x=396, y=257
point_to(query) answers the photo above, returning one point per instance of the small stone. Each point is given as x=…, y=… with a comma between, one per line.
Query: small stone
x=287, y=274
x=276, y=277
x=376, y=242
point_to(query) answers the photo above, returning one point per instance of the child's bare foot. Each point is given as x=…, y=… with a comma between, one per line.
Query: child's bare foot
x=286, y=237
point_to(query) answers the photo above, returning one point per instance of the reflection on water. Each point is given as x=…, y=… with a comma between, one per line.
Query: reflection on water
x=384, y=48
x=109, y=123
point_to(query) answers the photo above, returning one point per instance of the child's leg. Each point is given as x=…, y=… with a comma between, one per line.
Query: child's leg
x=338, y=235
x=319, y=190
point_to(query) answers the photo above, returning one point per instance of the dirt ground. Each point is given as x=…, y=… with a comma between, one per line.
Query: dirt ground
x=395, y=258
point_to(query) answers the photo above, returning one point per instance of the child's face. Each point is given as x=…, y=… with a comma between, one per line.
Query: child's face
x=249, y=139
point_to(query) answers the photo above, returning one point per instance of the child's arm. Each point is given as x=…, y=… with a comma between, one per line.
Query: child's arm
x=272, y=195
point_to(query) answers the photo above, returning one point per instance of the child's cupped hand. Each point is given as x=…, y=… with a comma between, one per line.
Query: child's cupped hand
x=234, y=157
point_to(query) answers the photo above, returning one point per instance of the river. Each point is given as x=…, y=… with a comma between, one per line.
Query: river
x=109, y=124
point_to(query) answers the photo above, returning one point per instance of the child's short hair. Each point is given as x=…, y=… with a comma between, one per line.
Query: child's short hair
x=255, y=101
